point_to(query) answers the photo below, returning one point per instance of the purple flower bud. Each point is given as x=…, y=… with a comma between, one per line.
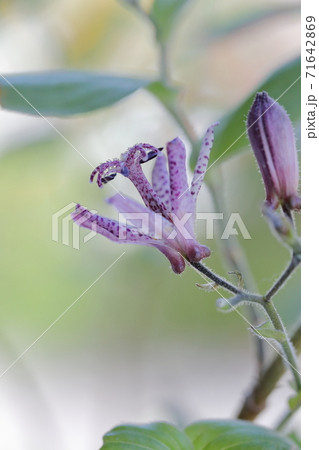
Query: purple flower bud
x=272, y=138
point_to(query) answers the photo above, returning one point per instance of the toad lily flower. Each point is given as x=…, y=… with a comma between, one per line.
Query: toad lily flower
x=166, y=221
x=272, y=138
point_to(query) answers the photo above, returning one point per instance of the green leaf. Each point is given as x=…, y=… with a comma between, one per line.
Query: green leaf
x=165, y=94
x=243, y=19
x=154, y=436
x=230, y=135
x=164, y=14
x=295, y=438
x=64, y=93
x=237, y=435
x=267, y=331
x=295, y=401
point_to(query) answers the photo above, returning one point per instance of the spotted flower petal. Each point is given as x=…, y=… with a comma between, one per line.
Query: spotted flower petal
x=123, y=234
x=139, y=215
x=166, y=220
x=160, y=181
x=129, y=165
x=181, y=199
x=109, y=228
x=106, y=171
x=202, y=161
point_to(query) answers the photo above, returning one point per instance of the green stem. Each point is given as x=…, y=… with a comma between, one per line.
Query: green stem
x=286, y=345
x=295, y=261
x=236, y=259
x=162, y=46
x=163, y=63
x=256, y=400
x=216, y=278
x=183, y=122
x=285, y=419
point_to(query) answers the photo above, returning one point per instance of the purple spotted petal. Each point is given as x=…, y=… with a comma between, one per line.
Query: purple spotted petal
x=185, y=238
x=167, y=220
x=136, y=175
x=105, y=169
x=109, y=228
x=202, y=161
x=181, y=199
x=130, y=166
x=116, y=232
x=160, y=181
x=157, y=226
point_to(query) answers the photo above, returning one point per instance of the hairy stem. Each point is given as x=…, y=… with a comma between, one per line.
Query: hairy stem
x=236, y=259
x=288, y=352
x=287, y=347
x=256, y=400
x=216, y=278
x=295, y=261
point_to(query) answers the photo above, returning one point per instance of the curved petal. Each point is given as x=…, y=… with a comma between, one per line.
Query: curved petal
x=129, y=165
x=202, y=161
x=109, y=228
x=133, y=158
x=105, y=170
x=160, y=181
x=157, y=226
x=175, y=258
x=181, y=200
x=195, y=252
x=119, y=233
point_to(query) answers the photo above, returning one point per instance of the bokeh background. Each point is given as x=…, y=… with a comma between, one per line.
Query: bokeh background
x=141, y=344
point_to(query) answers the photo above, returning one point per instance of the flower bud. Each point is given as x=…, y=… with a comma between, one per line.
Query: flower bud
x=283, y=228
x=272, y=138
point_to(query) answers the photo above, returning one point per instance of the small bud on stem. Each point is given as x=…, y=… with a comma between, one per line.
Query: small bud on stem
x=272, y=139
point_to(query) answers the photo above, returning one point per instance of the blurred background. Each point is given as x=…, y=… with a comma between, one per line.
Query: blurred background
x=140, y=344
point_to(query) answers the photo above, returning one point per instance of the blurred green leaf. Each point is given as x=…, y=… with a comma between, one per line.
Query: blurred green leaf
x=230, y=135
x=237, y=435
x=164, y=14
x=295, y=401
x=208, y=435
x=247, y=19
x=294, y=437
x=165, y=94
x=154, y=436
x=64, y=93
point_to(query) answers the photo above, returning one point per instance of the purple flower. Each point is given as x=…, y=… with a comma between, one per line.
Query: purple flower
x=166, y=221
x=272, y=138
